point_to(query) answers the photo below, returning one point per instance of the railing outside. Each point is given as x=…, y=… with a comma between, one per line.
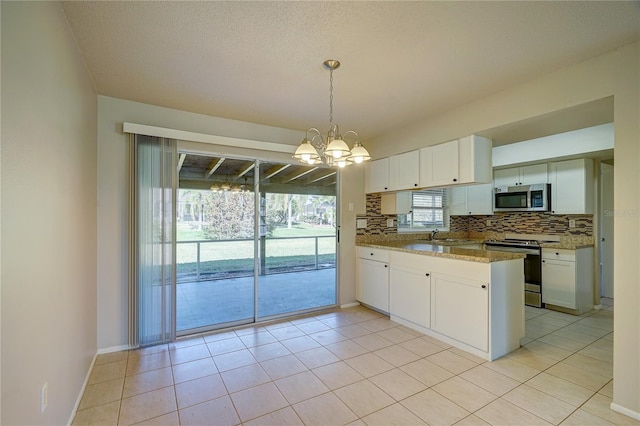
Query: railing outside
x=230, y=258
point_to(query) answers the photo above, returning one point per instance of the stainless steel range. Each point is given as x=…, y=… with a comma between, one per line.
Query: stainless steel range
x=530, y=246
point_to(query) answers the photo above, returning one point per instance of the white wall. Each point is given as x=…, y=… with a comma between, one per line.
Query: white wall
x=617, y=74
x=48, y=215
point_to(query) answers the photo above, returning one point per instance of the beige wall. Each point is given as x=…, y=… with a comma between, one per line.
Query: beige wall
x=48, y=215
x=617, y=74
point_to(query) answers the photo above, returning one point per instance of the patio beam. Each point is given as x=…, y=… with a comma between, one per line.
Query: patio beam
x=214, y=166
x=181, y=161
x=323, y=177
x=299, y=175
x=275, y=170
x=247, y=168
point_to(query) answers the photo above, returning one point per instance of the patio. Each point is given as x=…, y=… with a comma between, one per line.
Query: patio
x=206, y=303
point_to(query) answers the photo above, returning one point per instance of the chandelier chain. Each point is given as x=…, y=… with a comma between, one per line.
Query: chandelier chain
x=330, y=99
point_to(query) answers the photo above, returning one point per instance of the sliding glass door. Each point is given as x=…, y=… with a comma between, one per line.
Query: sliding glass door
x=255, y=240
x=297, y=239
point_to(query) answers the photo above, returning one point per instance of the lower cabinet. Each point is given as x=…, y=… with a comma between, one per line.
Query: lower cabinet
x=568, y=278
x=460, y=309
x=373, y=284
x=410, y=294
x=475, y=306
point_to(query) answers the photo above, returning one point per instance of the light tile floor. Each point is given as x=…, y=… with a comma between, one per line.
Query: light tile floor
x=355, y=366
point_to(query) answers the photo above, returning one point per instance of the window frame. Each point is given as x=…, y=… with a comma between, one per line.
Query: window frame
x=445, y=208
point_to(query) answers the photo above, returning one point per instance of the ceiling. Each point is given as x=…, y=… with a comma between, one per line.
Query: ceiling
x=261, y=61
x=232, y=174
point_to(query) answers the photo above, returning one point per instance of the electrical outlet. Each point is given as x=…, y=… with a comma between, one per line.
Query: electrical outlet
x=572, y=223
x=488, y=222
x=44, y=397
x=361, y=223
x=389, y=223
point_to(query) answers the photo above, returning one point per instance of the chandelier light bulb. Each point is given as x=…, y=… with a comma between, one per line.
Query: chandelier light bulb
x=342, y=163
x=358, y=159
x=337, y=154
x=306, y=157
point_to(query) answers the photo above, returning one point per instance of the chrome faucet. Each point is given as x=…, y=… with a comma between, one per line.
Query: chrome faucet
x=434, y=233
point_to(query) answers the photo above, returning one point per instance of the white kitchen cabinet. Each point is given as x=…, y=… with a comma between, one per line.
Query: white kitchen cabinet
x=396, y=203
x=471, y=200
x=460, y=309
x=404, y=171
x=524, y=175
x=572, y=187
x=376, y=176
x=410, y=294
x=373, y=278
x=465, y=160
x=568, y=279
x=448, y=304
x=439, y=164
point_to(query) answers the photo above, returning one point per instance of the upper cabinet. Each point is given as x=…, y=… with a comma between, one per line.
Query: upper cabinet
x=404, y=171
x=376, y=176
x=461, y=161
x=525, y=175
x=572, y=186
x=471, y=200
x=396, y=203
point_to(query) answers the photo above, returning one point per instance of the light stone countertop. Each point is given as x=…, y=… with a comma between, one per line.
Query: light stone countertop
x=427, y=248
x=566, y=246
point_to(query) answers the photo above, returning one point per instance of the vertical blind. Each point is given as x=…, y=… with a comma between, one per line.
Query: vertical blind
x=152, y=278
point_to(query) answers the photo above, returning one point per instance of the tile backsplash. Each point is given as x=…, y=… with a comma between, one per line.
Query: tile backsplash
x=491, y=225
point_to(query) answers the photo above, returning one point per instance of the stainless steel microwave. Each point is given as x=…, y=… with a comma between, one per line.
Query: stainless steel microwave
x=522, y=198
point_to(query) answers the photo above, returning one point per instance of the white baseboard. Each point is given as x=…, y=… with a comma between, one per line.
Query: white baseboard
x=349, y=305
x=113, y=349
x=627, y=412
x=86, y=379
x=84, y=386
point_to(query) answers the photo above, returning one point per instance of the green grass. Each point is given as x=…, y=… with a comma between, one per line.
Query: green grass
x=239, y=267
x=186, y=233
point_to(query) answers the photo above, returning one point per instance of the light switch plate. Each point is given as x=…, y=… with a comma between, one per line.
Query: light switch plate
x=361, y=223
x=389, y=223
x=572, y=223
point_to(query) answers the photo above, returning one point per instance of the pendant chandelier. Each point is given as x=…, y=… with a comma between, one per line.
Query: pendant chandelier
x=334, y=151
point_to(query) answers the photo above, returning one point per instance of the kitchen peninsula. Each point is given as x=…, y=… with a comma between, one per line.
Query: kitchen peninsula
x=452, y=290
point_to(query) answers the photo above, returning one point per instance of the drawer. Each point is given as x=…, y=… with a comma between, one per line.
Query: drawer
x=559, y=254
x=371, y=253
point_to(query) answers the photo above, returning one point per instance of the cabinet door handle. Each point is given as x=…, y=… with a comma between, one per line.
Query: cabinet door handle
x=557, y=254
x=415, y=184
x=484, y=286
x=385, y=188
x=386, y=266
x=426, y=275
x=543, y=261
x=455, y=180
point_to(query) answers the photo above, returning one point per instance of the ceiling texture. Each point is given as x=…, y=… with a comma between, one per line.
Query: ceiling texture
x=261, y=62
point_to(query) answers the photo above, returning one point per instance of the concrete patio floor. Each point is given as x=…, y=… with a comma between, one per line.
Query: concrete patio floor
x=206, y=303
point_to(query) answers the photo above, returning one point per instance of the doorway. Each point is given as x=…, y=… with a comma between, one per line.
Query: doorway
x=256, y=240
